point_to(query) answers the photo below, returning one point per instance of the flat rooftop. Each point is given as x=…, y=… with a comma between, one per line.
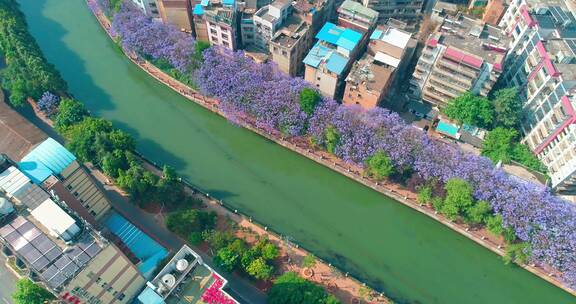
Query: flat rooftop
x=475, y=37
x=292, y=30
x=370, y=73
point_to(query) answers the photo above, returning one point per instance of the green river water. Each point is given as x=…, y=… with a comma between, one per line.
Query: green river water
x=395, y=249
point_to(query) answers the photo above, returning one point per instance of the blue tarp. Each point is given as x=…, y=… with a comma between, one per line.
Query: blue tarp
x=198, y=10
x=48, y=158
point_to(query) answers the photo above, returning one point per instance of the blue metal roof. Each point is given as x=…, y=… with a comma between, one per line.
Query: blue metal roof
x=198, y=10
x=205, y=2
x=336, y=63
x=149, y=296
x=343, y=37
x=48, y=158
x=228, y=2
x=376, y=34
x=316, y=54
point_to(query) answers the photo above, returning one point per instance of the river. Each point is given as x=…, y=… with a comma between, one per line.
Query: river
x=409, y=256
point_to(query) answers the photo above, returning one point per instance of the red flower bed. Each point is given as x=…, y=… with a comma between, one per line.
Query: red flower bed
x=214, y=294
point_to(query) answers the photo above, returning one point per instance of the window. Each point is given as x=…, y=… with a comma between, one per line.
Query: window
x=214, y=38
x=213, y=31
x=98, y=279
x=92, y=212
x=224, y=36
x=121, y=297
x=76, y=193
x=284, y=53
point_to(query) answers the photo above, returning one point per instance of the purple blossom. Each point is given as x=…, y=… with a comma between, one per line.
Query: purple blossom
x=48, y=103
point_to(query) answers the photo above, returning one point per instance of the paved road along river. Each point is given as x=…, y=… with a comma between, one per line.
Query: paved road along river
x=407, y=255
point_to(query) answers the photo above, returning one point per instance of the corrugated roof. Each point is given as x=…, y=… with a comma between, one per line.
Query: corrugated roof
x=336, y=63
x=356, y=7
x=149, y=296
x=50, y=157
x=17, y=134
x=342, y=37
x=316, y=54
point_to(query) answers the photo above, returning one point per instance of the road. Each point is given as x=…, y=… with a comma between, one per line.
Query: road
x=7, y=282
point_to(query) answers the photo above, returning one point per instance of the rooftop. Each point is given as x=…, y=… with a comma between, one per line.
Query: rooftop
x=48, y=158
x=291, y=31
x=357, y=11
x=17, y=134
x=370, y=73
x=320, y=54
x=472, y=39
x=390, y=41
x=339, y=36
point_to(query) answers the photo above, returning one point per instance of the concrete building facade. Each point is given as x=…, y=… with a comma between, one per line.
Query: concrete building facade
x=463, y=55
x=543, y=65
x=177, y=13
x=405, y=10
x=216, y=21
x=329, y=61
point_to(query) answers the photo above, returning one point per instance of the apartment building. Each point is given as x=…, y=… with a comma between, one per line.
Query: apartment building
x=216, y=21
x=405, y=10
x=463, y=55
x=329, y=61
x=542, y=64
x=177, y=13
x=354, y=16
x=292, y=41
x=149, y=7
x=68, y=257
x=371, y=77
x=267, y=20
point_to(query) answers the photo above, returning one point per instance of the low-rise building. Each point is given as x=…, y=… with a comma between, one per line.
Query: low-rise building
x=329, y=61
x=371, y=77
x=216, y=21
x=295, y=38
x=354, y=16
x=68, y=257
x=267, y=20
x=463, y=55
x=405, y=10
x=177, y=13
x=185, y=279
x=542, y=65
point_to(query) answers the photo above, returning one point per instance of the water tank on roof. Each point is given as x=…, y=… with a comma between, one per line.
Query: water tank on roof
x=6, y=207
x=169, y=280
x=181, y=265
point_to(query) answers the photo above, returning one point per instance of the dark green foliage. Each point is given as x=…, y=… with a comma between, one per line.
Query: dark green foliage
x=331, y=137
x=260, y=269
x=27, y=292
x=218, y=239
x=379, y=165
x=308, y=100
x=425, y=194
x=501, y=145
x=471, y=110
x=458, y=198
x=185, y=222
x=70, y=112
x=115, y=5
x=518, y=253
x=199, y=49
x=290, y=288
x=226, y=259
x=508, y=108
x=479, y=212
x=494, y=224
x=27, y=73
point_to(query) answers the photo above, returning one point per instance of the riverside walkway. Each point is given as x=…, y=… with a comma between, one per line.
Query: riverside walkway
x=299, y=145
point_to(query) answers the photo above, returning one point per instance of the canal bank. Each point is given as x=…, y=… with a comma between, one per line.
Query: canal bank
x=409, y=256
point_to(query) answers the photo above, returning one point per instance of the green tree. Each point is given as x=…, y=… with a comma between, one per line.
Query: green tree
x=425, y=194
x=268, y=251
x=458, y=198
x=478, y=213
x=27, y=292
x=309, y=98
x=522, y=154
x=189, y=221
x=494, y=224
x=260, y=270
x=290, y=288
x=70, y=112
x=379, y=165
x=309, y=261
x=517, y=252
x=471, y=110
x=332, y=138
x=218, y=239
x=437, y=203
x=81, y=138
x=498, y=144
x=508, y=108
x=199, y=48
x=226, y=259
